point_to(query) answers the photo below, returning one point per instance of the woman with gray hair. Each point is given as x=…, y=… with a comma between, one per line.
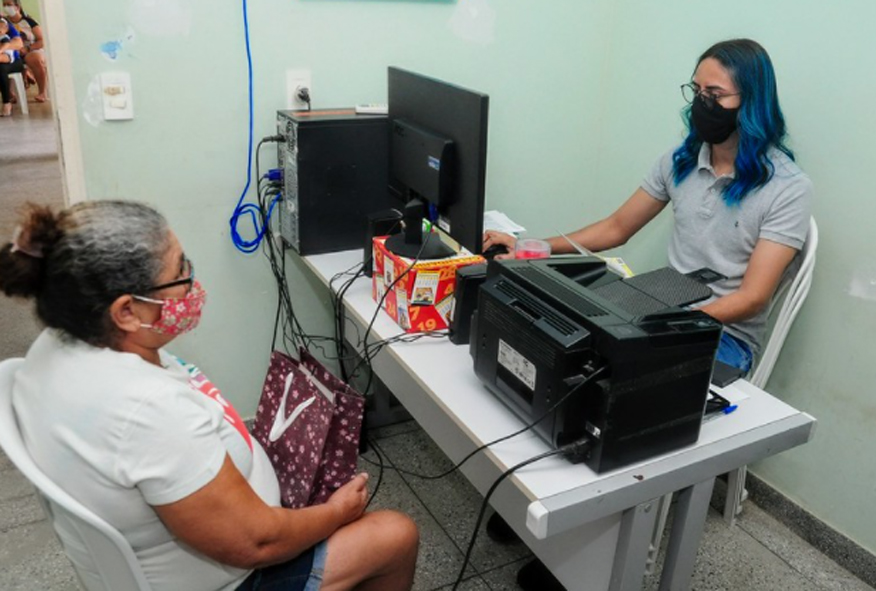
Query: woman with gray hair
x=133, y=433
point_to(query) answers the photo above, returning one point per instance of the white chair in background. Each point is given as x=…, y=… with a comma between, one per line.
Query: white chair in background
x=783, y=309
x=17, y=78
x=788, y=301
x=102, y=558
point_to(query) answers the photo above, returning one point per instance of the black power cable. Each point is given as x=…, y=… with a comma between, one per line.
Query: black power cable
x=285, y=320
x=337, y=306
x=579, y=447
x=380, y=464
x=386, y=292
x=546, y=414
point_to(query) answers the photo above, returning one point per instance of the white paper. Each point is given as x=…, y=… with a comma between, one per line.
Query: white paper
x=616, y=264
x=498, y=221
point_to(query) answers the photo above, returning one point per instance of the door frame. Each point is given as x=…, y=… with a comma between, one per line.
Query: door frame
x=63, y=100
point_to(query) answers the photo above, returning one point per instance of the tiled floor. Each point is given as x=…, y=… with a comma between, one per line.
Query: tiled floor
x=758, y=554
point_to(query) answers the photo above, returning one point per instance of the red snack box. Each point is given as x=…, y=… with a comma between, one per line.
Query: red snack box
x=422, y=300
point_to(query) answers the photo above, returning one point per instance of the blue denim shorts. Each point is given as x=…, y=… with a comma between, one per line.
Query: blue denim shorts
x=735, y=352
x=302, y=573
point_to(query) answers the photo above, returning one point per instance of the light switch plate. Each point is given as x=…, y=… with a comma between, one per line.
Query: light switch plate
x=115, y=89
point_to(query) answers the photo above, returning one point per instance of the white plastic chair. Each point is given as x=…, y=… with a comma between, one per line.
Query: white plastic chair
x=788, y=300
x=20, y=91
x=102, y=558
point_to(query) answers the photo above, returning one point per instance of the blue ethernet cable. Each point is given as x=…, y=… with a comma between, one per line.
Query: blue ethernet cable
x=243, y=245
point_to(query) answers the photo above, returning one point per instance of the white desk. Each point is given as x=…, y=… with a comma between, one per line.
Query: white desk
x=577, y=522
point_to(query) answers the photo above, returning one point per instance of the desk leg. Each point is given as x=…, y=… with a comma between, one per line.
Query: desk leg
x=735, y=491
x=687, y=529
x=633, y=542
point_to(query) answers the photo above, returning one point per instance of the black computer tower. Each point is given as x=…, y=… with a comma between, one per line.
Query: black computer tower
x=335, y=173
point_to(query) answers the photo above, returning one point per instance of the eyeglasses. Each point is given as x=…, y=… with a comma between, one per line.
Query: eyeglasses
x=690, y=91
x=187, y=270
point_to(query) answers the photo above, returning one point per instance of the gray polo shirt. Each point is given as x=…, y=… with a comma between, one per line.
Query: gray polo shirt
x=709, y=233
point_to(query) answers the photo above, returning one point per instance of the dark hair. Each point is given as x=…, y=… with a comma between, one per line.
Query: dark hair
x=760, y=121
x=77, y=262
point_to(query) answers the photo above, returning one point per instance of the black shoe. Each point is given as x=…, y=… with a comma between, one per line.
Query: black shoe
x=535, y=576
x=500, y=532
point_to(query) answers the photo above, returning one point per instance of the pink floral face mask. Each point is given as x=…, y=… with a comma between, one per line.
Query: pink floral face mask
x=178, y=315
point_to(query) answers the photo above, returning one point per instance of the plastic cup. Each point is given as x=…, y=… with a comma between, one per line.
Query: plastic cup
x=531, y=248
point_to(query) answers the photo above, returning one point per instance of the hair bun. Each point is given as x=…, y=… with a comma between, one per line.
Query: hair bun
x=38, y=231
x=21, y=260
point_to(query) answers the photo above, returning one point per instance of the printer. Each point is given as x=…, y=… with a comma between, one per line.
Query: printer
x=617, y=362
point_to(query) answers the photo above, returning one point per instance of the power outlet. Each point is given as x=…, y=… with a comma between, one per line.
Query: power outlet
x=295, y=81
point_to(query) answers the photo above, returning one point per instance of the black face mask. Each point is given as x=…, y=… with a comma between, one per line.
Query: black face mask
x=713, y=124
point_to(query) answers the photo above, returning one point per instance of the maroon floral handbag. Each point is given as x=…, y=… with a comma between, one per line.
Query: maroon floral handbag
x=341, y=451
x=309, y=423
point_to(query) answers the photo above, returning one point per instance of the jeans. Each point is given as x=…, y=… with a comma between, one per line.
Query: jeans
x=735, y=352
x=302, y=573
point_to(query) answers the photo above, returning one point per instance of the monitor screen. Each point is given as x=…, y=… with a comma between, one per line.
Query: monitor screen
x=438, y=158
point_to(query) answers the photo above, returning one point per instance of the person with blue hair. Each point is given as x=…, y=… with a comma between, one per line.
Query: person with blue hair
x=741, y=204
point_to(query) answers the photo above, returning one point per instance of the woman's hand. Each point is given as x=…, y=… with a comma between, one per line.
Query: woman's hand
x=350, y=499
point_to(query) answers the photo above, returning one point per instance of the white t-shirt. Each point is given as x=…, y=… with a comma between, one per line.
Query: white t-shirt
x=121, y=435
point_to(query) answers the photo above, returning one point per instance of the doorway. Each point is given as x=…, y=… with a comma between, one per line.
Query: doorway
x=32, y=165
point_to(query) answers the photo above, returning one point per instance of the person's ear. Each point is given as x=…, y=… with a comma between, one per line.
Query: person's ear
x=123, y=314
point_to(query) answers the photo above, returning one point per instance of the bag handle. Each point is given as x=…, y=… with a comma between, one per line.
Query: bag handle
x=330, y=396
x=281, y=424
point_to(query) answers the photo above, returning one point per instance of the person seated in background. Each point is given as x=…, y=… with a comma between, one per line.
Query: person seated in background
x=10, y=46
x=33, y=53
x=740, y=203
x=7, y=54
x=112, y=417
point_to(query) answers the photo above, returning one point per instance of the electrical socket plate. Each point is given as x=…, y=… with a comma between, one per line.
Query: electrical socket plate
x=296, y=79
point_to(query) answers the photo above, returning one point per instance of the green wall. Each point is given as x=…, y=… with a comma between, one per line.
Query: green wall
x=584, y=97
x=32, y=7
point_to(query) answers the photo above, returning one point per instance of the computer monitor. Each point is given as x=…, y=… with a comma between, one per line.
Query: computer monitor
x=438, y=162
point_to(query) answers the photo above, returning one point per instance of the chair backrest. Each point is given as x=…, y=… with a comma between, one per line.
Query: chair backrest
x=102, y=557
x=788, y=302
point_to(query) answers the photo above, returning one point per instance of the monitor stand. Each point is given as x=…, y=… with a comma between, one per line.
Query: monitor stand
x=433, y=248
x=411, y=243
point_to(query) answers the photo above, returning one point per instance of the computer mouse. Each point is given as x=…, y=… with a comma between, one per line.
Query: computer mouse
x=493, y=250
